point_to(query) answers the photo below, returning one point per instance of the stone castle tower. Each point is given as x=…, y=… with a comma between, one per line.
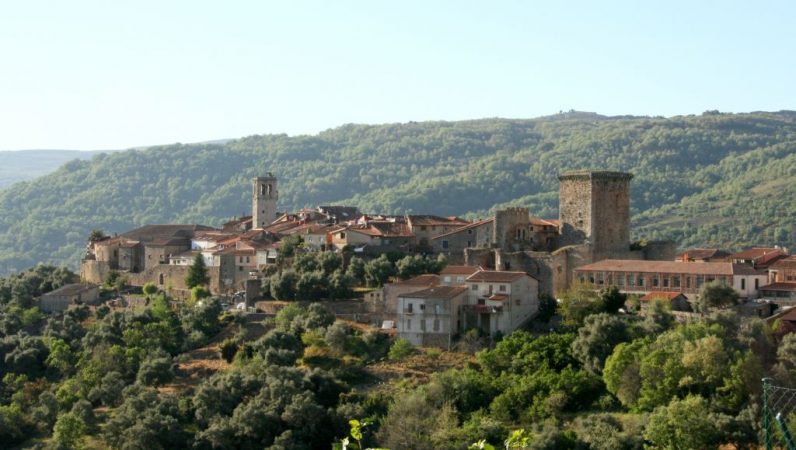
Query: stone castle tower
x=264, y=196
x=595, y=209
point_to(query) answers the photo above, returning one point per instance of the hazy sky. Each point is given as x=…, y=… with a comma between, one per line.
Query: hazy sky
x=113, y=74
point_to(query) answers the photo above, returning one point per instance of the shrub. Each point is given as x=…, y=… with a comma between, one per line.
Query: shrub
x=400, y=349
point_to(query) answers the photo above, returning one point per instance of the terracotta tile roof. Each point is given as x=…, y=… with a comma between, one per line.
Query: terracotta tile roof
x=788, y=315
x=466, y=227
x=238, y=221
x=421, y=280
x=544, y=222
x=788, y=263
x=492, y=276
x=499, y=297
x=150, y=233
x=703, y=253
x=756, y=252
x=460, y=270
x=438, y=292
x=660, y=295
x=70, y=289
x=705, y=268
x=780, y=286
x=429, y=220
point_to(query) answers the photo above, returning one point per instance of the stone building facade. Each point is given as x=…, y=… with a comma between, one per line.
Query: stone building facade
x=594, y=209
x=264, y=197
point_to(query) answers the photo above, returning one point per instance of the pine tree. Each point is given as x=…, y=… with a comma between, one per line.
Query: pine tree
x=197, y=274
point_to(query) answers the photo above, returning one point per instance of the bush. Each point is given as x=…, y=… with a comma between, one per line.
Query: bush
x=400, y=349
x=228, y=349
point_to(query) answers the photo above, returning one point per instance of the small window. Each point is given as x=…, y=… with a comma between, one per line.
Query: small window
x=676, y=281
x=517, y=301
x=474, y=287
x=502, y=288
x=410, y=307
x=408, y=324
x=342, y=235
x=743, y=283
x=470, y=231
x=444, y=244
x=757, y=283
x=447, y=278
x=436, y=324
x=641, y=281
x=422, y=306
x=422, y=325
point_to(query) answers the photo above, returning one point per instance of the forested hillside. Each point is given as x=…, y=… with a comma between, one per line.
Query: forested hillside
x=714, y=179
x=26, y=165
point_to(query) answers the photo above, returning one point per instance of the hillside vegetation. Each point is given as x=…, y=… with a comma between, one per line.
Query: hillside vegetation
x=714, y=179
x=29, y=164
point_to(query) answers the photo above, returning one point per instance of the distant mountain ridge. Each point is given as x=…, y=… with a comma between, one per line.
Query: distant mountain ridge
x=713, y=179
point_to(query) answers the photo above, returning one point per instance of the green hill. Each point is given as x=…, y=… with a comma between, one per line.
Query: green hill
x=718, y=179
x=28, y=164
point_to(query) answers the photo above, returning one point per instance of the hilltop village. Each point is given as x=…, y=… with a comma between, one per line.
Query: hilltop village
x=497, y=268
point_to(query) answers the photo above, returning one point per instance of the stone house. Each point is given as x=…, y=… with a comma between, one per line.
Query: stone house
x=453, y=243
x=430, y=317
x=426, y=227
x=453, y=275
x=759, y=258
x=677, y=301
x=703, y=255
x=71, y=294
x=500, y=301
x=383, y=302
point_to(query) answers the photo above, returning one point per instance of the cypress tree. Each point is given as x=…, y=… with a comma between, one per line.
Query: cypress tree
x=197, y=274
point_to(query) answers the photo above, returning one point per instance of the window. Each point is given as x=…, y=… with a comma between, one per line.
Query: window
x=656, y=281
x=422, y=228
x=469, y=244
x=474, y=287
x=502, y=288
x=517, y=301
x=700, y=280
x=342, y=235
x=631, y=279
x=240, y=268
x=688, y=282
x=470, y=231
x=641, y=281
x=447, y=278
x=422, y=325
x=743, y=283
x=436, y=324
x=422, y=307
x=408, y=324
x=666, y=282
x=444, y=244
x=600, y=278
x=757, y=283
x=409, y=307
x=676, y=281
x=620, y=280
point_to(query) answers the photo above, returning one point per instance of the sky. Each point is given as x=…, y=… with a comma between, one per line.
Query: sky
x=93, y=75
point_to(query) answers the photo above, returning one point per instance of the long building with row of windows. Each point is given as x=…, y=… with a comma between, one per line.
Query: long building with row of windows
x=644, y=277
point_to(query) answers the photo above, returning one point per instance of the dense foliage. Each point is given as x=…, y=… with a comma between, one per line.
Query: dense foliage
x=715, y=179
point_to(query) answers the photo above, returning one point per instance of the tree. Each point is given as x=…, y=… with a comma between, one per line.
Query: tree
x=401, y=349
x=356, y=269
x=197, y=273
x=150, y=289
x=155, y=370
x=547, y=308
x=717, y=295
x=378, y=271
x=283, y=287
x=95, y=235
x=612, y=299
x=683, y=424
x=597, y=338
x=69, y=431
x=785, y=369
x=577, y=302
x=199, y=293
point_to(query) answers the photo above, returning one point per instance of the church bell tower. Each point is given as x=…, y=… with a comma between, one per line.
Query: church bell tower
x=264, y=196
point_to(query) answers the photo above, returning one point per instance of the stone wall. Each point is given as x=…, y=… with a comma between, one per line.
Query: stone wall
x=594, y=208
x=507, y=223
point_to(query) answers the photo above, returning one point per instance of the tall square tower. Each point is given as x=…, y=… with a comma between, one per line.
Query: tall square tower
x=594, y=208
x=264, y=197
